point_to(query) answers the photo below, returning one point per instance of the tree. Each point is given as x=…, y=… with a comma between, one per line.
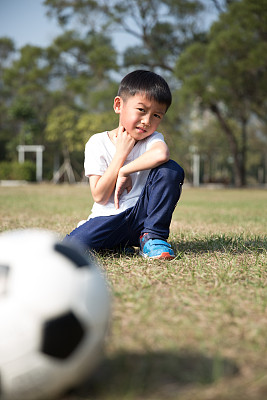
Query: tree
x=7, y=51
x=69, y=129
x=25, y=97
x=81, y=65
x=223, y=71
x=61, y=130
x=162, y=28
x=228, y=74
x=90, y=123
x=73, y=72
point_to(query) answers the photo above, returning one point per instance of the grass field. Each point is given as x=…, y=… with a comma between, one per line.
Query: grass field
x=191, y=328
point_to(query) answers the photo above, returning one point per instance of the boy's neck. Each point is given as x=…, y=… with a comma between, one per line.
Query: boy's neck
x=112, y=134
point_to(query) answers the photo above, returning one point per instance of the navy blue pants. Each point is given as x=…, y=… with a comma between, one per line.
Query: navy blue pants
x=152, y=213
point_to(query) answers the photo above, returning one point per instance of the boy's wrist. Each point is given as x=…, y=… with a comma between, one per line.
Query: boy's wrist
x=123, y=172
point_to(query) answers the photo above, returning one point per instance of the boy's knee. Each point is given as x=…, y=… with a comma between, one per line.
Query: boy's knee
x=78, y=236
x=172, y=170
x=178, y=169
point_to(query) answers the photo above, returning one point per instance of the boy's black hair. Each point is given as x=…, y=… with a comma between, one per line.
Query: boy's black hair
x=147, y=82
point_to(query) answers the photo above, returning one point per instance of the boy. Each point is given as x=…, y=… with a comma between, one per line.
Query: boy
x=134, y=185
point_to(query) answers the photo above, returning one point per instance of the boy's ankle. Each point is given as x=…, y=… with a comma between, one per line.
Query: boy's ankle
x=143, y=239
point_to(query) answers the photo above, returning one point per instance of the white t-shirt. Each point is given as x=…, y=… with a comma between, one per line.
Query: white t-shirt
x=99, y=152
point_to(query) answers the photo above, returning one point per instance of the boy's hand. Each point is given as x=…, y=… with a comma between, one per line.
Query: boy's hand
x=123, y=183
x=123, y=141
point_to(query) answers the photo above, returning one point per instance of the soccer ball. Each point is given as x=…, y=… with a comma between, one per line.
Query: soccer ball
x=54, y=315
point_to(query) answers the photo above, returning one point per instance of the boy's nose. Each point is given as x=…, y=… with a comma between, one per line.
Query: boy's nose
x=145, y=121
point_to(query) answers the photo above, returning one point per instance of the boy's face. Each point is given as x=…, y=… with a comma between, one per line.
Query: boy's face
x=139, y=115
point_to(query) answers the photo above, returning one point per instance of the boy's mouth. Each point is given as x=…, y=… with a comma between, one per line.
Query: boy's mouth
x=140, y=129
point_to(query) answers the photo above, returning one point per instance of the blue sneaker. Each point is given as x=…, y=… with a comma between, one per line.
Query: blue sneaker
x=155, y=248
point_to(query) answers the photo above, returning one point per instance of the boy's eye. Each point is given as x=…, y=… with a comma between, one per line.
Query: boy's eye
x=141, y=109
x=157, y=116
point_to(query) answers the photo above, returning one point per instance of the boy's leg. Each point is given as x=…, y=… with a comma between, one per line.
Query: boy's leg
x=101, y=232
x=150, y=216
x=152, y=213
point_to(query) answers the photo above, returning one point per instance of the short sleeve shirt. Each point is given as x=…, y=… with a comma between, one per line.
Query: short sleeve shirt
x=99, y=152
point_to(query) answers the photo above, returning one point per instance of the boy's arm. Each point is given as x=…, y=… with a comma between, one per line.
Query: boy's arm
x=155, y=156
x=103, y=186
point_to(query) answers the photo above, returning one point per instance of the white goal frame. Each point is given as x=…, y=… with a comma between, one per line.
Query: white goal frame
x=38, y=149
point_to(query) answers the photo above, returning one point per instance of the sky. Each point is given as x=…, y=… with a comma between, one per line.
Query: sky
x=25, y=22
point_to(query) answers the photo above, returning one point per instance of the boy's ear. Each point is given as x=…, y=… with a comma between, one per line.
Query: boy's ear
x=117, y=104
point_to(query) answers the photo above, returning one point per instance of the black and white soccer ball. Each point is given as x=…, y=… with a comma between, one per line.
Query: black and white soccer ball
x=54, y=315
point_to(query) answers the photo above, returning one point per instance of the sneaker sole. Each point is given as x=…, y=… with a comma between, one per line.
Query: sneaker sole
x=162, y=256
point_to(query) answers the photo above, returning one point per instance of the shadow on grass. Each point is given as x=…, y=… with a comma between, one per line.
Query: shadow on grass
x=156, y=372
x=235, y=244
x=223, y=243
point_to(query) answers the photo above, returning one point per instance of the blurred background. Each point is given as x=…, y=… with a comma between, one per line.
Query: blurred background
x=61, y=62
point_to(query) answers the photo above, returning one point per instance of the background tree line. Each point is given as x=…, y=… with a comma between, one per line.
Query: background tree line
x=60, y=95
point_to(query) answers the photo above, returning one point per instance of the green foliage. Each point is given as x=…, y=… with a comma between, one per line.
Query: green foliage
x=161, y=38
x=17, y=171
x=222, y=69
x=91, y=56
x=229, y=67
x=29, y=73
x=70, y=129
x=238, y=55
x=61, y=128
x=89, y=124
x=22, y=109
x=226, y=76
x=7, y=48
x=40, y=85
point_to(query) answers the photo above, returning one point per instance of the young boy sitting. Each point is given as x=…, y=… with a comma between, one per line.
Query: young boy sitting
x=134, y=185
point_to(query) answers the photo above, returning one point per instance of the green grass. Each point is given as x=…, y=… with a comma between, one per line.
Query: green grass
x=191, y=328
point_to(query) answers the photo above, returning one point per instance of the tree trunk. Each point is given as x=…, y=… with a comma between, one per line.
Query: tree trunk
x=238, y=158
x=65, y=169
x=244, y=151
